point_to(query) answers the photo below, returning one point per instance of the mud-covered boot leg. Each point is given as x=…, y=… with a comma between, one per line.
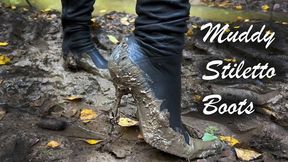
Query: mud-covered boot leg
x=79, y=51
x=149, y=64
x=155, y=85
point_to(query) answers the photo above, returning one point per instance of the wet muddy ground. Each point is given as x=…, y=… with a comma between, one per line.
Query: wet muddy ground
x=34, y=85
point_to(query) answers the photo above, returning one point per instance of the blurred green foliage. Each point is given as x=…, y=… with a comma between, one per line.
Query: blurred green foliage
x=14, y=2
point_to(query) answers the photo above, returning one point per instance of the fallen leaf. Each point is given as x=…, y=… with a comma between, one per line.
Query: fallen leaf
x=2, y=113
x=230, y=60
x=103, y=11
x=265, y=8
x=4, y=59
x=140, y=136
x=190, y=32
x=212, y=130
x=13, y=7
x=269, y=32
x=25, y=9
x=92, y=141
x=194, y=26
x=246, y=20
x=74, y=98
x=239, y=18
x=126, y=122
x=209, y=137
x=247, y=155
x=230, y=140
x=124, y=21
x=46, y=10
x=87, y=115
x=197, y=98
x=113, y=39
x=238, y=7
x=227, y=30
x=53, y=144
x=4, y=44
x=93, y=20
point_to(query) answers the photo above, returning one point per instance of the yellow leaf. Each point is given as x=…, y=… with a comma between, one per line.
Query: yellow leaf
x=93, y=20
x=25, y=9
x=227, y=30
x=53, y=144
x=247, y=155
x=236, y=27
x=196, y=98
x=269, y=32
x=113, y=39
x=230, y=60
x=87, y=115
x=190, y=32
x=238, y=7
x=230, y=140
x=124, y=21
x=92, y=141
x=194, y=26
x=4, y=44
x=103, y=11
x=4, y=59
x=126, y=122
x=265, y=7
x=46, y=10
x=74, y=98
x=239, y=18
x=246, y=20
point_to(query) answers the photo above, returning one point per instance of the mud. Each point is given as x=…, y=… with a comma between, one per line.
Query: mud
x=34, y=85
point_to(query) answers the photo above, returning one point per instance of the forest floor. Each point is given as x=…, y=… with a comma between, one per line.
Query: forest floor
x=35, y=86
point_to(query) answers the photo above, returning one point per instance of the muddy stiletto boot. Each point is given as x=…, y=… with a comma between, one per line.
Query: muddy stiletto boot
x=148, y=65
x=155, y=85
x=79, y=52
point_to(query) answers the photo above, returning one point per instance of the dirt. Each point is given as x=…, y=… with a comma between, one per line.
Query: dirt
x=34, y=85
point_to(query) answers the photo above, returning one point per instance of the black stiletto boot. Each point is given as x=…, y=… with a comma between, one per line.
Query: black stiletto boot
x=154, y=83
x=148, y=65
x=79, y=51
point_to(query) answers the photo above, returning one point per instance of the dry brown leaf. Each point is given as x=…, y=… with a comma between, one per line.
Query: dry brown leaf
x=87, y=115
x=247, y=155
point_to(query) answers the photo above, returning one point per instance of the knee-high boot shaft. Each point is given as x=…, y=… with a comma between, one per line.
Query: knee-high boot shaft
x=161, y=25
x=76, y=20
